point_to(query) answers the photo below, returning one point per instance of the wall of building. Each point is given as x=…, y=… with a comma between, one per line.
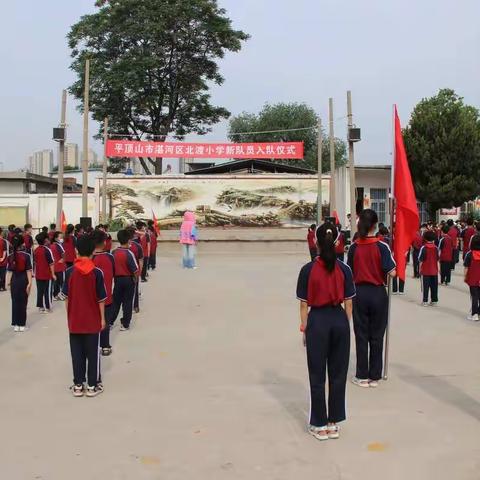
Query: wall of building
x=12, y=186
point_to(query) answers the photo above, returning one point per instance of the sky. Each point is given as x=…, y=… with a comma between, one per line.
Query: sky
x=384, y=51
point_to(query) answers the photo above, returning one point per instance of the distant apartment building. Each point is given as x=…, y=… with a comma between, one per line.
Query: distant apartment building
x=71, y=155
x=41, y=163
x=92, y=158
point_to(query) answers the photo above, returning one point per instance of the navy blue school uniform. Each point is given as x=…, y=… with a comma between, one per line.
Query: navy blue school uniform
x=43, y=259
x=126, y=269
x=4, y=252
x=19, y=264
x=327, y=336
x=429, y=258
x=137, y=249
x=371, y=261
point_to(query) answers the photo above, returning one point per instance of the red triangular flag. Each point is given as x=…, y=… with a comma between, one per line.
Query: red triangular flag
x=155, y=223
x=63, y=222
x=407, y=220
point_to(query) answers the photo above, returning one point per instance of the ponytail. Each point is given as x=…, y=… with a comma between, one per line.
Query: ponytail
x=17, y=242
x=326, y=238
x=367, y=219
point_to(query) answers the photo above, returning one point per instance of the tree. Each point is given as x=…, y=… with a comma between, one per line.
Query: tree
x=152, y=62
x=284, y=117
x=443, y=147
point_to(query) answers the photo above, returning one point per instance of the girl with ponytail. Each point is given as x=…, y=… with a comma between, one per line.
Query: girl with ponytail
x=19, y=280
x=324, y=285
x=371, y=262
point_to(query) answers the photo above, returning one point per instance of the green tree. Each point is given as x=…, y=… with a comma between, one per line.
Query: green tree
x=443, y=147
x=284, y=117
x=152, y=62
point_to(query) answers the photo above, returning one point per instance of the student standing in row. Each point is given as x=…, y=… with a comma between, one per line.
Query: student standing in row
x=445, y=247
x=143, y=238
x=51, y=232
x=429, y=258
x=19, y=279
x=126, y=271
x=137, y=250
x=472, y=276
x=340, y=244
x=152, y=264
x=312, y=241
x=44, y=274
x=371, y=261
x=323, y=286
x=105, y=262
x=27, y=238
x=4, y=247
x=70, y=245
x=59, y=264
x=416, y=246
x=84, y=292
x=10, y=233
x=467, y=235
x=454, y=234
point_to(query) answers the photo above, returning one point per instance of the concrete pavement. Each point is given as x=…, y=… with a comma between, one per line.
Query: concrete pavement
x=211, y=384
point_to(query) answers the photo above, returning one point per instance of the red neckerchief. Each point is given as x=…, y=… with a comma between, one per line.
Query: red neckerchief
x=367, y=240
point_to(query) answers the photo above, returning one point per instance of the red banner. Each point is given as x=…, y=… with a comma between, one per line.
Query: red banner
x=132, y=149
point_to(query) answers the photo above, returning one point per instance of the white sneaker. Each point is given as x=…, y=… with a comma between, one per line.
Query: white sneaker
x=433, y=304
x=320, y=433
x=475, y=317
x=373, y=383
x=425, y=304
x=16, y=328
x=21, y=329
x=359, y=382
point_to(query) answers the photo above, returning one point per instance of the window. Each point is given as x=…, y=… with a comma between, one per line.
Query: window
x=378, y=201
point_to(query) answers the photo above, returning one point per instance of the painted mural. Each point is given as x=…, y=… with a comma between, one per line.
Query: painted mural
x=253, y=201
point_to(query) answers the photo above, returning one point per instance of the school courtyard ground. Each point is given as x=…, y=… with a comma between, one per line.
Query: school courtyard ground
x=211, y=383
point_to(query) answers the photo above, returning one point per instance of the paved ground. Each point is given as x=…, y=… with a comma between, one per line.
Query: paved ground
x=211, y=384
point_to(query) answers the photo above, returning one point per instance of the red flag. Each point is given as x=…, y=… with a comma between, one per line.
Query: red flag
x=155, y=223
x=406, y=211
x=63, y=223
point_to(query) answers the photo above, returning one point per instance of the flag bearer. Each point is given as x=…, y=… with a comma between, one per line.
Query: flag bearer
x=323, y=286
x=105, y=262
x=59, y=264
x=472, y=276
x=126, y=270
x=445, y=247
x=371, y=261
x=19, y=279
x=429, y=258
x=44, y=273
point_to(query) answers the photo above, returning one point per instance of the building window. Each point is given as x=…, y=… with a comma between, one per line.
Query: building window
x=378, y=201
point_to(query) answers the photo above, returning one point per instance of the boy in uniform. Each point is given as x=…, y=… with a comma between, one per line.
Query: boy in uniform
x=44, y=273
x=428, y=258
x=3, y=260
x=445, y=247
x=85, y=295
x=126, y=270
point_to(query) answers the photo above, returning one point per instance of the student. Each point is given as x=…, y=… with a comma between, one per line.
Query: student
x=152, y=263
x=371, y=261
x=323, y=286
x=383, y=234
x=416, y=246
x=311, y=241
x=429, y=258
x=445, y=247
x=108, y=237
x=84, y=292
x=27, y=238
x=137, y=251
x=79, y=231
x=4, y=252
x=454, y=234
x=467, y=235
x=44, y=274
x=188, y=239
x=126, y=270
x=19, y=280
x=143, y=238
x=70, y=245
x=59, y=265
x=51, y=232
x=10, y=233
x=106, y=263
x=340, y=244
x=472, y=276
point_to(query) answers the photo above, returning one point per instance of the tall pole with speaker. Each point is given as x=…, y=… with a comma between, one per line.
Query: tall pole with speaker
x=60, y=136
x=85, y=141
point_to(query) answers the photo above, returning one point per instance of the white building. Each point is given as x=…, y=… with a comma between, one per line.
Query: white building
x=41, y=162
x=71, y=155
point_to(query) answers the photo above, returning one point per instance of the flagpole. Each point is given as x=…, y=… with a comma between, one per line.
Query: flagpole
x=389, y=280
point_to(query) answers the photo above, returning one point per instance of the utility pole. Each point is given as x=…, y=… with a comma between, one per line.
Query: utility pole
x=351, y=169
x=85, y=140
x=61, y=159
x=319, y=167
x=105, y=165
x=333, y=205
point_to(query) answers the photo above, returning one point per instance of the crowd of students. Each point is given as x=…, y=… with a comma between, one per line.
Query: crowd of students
x=332, y=294
x=78, y=267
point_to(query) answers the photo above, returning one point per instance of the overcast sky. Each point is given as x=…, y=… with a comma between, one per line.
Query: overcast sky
x=384, y=51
